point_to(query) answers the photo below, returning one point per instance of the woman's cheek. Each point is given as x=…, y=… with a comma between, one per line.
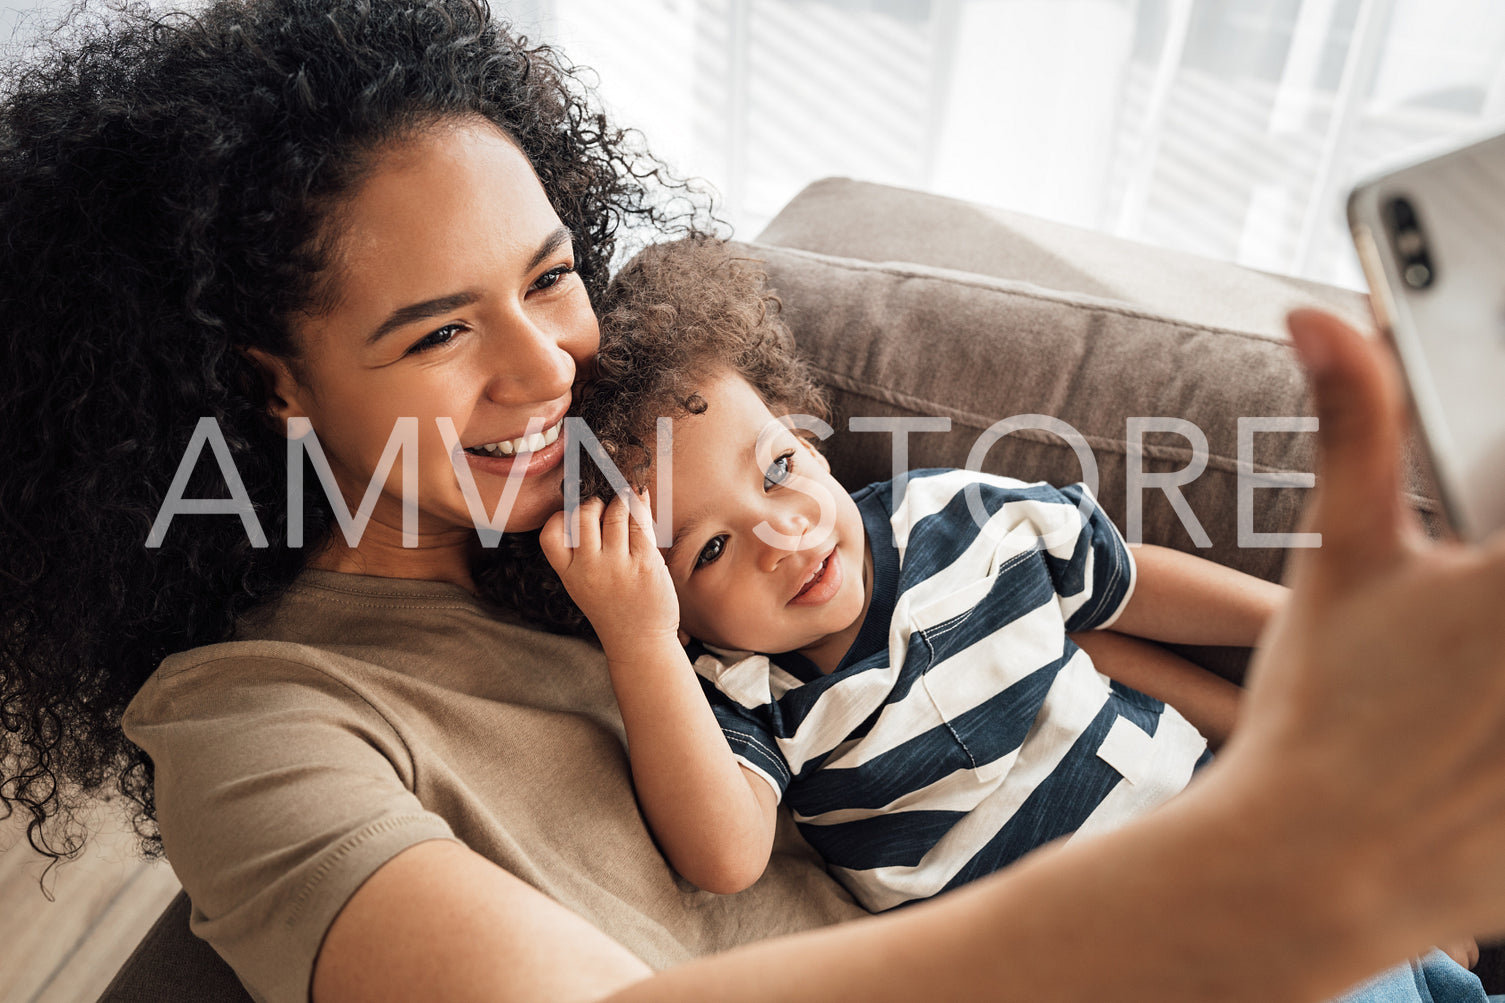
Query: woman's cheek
x=585, y=331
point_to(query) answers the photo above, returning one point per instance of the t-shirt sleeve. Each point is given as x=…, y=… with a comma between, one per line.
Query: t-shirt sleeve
x=736, y=686
x=1093, y=570
x=279, y=791
x=1085, y=558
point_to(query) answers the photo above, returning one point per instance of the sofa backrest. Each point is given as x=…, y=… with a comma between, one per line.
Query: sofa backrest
x=1139, y=351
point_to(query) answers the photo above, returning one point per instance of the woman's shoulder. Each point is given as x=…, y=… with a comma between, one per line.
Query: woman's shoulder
x=354, y=646
x=234, y=694
x=261, y=666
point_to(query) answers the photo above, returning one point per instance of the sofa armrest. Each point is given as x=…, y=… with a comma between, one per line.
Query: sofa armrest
x=880, y=223
x=171, y=965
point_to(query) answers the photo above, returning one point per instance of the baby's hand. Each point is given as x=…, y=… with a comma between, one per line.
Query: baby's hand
x=614, y=573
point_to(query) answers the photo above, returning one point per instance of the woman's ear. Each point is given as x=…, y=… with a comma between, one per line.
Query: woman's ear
x=279, y=384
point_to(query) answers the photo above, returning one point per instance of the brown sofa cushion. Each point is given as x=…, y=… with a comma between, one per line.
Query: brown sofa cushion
x=905, y=340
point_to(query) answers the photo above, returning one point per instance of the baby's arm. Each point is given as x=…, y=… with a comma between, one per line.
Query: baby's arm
x=1208, y=701
x=713, y=818
x=1185, y=599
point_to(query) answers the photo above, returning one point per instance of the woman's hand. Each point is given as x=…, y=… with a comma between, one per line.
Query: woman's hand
x=614, y=572
x=1381, y=687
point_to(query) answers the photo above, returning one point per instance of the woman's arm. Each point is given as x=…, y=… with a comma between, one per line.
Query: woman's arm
x=1185, y=599
x=439, y=922
x=1355, y=819
x=713, y=818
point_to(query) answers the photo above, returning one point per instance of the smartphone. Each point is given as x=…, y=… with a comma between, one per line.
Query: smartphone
x=1431, y=239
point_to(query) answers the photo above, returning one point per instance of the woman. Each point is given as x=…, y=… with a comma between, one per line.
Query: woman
x=389, y=220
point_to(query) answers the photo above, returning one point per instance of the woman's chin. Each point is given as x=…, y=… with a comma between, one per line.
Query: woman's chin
x=529, y=522
x=538, y=499
x=528, y=515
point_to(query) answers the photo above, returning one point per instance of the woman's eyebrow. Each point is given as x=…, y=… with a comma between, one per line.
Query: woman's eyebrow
x=405, y=315
x=551, y=243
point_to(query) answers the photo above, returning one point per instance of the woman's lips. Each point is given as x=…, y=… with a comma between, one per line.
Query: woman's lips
x=539, y=462
x=824, y=586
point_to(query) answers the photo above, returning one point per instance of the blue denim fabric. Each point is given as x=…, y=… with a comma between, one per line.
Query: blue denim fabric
x=1435, y=978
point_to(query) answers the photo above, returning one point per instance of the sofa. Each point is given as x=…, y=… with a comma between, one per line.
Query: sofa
x=915, y=306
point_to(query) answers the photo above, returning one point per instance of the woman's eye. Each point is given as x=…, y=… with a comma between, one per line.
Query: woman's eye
x=778, y=472
x=710, y=552
x=552, y=276
x=435, y=339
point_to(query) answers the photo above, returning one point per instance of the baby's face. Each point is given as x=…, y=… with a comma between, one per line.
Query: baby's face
x=768, y=551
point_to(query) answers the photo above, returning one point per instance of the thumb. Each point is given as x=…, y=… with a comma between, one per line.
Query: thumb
x=553, y=540
x=1358, y=506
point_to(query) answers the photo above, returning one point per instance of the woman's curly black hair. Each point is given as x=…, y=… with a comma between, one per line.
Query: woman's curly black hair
x=163, y=184
x=678, y=314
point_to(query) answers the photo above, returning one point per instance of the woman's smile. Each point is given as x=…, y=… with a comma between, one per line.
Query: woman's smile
x=529, y=455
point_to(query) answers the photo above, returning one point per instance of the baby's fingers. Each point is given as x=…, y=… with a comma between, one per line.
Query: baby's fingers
x=622, y=528
x=581, y=529
x=641, y=531
x=615, y=527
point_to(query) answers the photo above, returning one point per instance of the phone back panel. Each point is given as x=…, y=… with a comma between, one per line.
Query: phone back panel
x=1450, y=335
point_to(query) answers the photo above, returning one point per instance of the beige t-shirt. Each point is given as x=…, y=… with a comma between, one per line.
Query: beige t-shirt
x=363, y=715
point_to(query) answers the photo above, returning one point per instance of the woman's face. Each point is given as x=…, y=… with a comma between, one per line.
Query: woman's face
x=456, y=299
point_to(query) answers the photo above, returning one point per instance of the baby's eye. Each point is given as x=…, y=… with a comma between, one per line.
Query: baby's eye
x=710, y=552
x=778, y=472
x=552, y=276
x=435, y=339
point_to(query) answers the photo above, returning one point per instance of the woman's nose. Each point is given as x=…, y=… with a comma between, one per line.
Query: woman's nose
x=532, y=366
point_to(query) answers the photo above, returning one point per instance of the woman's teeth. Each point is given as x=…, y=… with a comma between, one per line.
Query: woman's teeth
x=522, y=444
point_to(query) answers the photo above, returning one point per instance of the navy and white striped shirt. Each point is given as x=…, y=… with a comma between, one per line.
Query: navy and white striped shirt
x=963, y=728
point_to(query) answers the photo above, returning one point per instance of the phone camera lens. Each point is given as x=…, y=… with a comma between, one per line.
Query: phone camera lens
x=1402, y=216
x=1410, y=243
x=1418, y=275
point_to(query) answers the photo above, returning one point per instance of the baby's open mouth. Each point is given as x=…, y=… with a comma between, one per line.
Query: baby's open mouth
x=815, y=576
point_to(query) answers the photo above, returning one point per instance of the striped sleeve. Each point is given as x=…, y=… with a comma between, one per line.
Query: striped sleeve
x=738, y=692
x=953, y=525
x=1094, y=573
x=1085, y=558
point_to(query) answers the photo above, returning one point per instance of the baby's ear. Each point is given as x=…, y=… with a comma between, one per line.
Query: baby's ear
x=684, y=637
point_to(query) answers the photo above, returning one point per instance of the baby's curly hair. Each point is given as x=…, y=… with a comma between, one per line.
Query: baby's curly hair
x=677, y=315
x=168, y=184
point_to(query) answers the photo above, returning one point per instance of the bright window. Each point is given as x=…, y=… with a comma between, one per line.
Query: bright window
x=1229, y=128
